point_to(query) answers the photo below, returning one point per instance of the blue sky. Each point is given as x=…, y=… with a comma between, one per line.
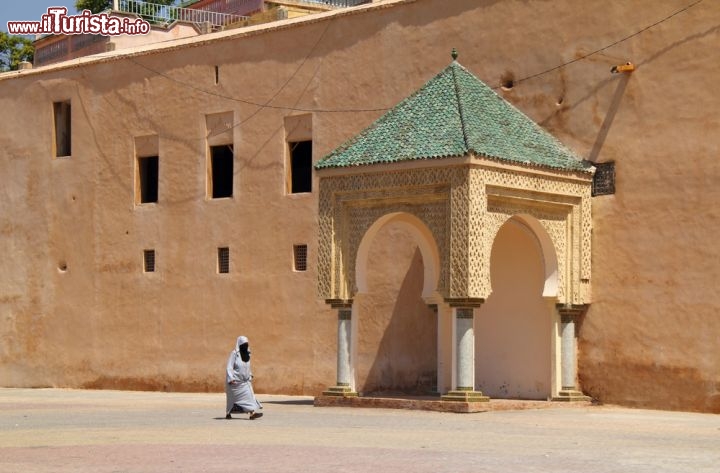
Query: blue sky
x=29, y=10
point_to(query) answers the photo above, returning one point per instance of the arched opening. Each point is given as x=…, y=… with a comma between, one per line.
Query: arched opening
x=514, y=327
x=396, y=335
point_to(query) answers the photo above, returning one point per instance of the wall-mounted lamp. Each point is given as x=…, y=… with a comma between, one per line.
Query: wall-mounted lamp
x=627, y=67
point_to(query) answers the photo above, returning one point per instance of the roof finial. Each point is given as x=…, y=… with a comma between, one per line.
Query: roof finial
x=454, y=54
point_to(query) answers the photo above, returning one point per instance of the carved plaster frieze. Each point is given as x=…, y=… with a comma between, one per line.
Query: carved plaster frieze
x=349, y=205
x=463, y=207
x=561, y=206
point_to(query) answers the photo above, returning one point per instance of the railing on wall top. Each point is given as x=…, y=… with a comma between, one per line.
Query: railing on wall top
x=337, y=3
x=163, y=14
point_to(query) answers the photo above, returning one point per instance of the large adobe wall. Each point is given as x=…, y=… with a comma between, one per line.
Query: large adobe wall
x=649, y=339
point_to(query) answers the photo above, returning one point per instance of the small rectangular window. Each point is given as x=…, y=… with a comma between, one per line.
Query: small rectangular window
x=62, y=116
x=223, y=260
x=149, y=261
x=604, y=179
x=221, y=171
x=148, y=176
x=300, y=166
x=300, y=257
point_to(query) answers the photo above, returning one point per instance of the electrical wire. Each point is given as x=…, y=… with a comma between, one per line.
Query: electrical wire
x=250, y=102
x=359, y=110
x=609, y=45
x=282, y=87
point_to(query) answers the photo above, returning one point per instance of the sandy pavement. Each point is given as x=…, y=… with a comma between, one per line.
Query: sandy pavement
x=58, y=430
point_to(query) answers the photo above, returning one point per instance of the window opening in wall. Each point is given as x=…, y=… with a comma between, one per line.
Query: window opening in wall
x=604, y=179
x=221, y=169
x=217, y=75
x=61, y=113
x=148, y=176
x=300, y=257
x=149, y=261
x=223, y=260
x=300, y=166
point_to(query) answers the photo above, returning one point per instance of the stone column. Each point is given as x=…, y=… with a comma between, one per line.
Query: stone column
x=569, y=391
x=438, y=352
x=344, y=367
x=568, y=350
x=443, y=378
x=464, y=359
x=343, y=344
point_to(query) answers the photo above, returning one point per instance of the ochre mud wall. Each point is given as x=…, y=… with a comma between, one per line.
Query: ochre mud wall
x=76, y=309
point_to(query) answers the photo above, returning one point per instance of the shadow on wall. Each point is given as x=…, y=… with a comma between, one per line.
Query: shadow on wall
x=513, y=327
x=398, y=331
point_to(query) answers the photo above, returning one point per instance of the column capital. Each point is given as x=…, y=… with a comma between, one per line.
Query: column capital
x=468, y=302
x=571, y=310
x=464, y=312
x=339, y=303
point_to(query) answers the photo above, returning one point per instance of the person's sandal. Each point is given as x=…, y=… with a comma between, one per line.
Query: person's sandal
x=228, y=416
x=255, y=415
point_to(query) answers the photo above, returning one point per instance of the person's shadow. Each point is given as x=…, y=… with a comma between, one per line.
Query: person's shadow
x=238, y=412
x=233, y=418
x=291, y=402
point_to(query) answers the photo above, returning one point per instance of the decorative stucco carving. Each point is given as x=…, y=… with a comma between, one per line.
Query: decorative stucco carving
x=464, y=207
x=349, y=205
x=562, y=206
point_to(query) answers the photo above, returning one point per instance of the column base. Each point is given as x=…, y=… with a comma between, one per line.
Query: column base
x=340, y=391
x=571, y=395
x=464, y=396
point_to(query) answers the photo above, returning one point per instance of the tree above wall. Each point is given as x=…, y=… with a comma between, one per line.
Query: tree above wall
x=95, y=6
x=14, y=50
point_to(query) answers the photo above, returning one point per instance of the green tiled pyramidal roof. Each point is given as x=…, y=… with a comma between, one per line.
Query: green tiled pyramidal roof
x=452, y=115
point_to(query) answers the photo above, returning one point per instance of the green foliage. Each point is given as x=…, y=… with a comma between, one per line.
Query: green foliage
x=14, y=50
x=95, y=6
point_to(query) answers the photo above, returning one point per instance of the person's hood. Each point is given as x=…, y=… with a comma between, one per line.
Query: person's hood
x=240, y=340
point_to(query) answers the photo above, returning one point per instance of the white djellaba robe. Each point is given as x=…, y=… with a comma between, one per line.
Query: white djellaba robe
x=238, y=382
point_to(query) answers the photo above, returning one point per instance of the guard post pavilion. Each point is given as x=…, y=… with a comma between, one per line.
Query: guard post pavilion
x=462, y=168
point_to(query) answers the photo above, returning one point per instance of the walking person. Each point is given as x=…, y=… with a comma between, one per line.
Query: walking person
x=239, y=392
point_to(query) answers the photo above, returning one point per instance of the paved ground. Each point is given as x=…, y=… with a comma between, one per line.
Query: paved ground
x=55, y=430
